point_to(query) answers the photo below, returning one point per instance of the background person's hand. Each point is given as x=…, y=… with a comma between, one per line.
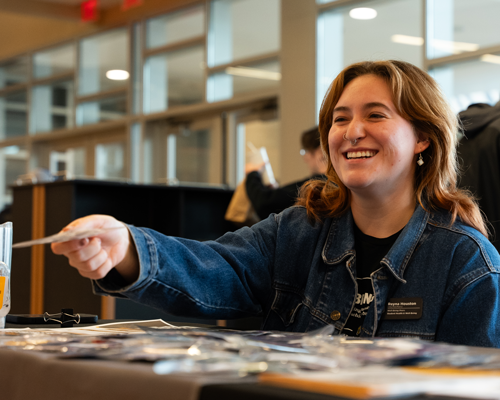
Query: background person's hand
x=251, y=167
x=95, y=257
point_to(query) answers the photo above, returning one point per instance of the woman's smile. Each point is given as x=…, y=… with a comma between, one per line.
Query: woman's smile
x=359, y=154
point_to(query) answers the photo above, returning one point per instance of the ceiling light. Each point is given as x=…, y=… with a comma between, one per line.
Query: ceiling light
x=253, y=73
x=454, y=47
x=363, y=13
x=117, y=75
x=411, y=40
x=491, y=58
x=444, y=45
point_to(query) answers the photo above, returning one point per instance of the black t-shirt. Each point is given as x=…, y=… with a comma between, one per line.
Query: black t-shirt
x=369, y=253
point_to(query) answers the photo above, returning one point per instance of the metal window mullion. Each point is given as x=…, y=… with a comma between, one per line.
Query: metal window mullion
x=77, y=85
x=129, y=87
x=29, y=97
x=275, y=55
x=54, y=78
x=427, y=22
x=338, y=3
x=102, y=95
x=171, y=157
x=468, y=56
x=205, y=51
x=174, y=46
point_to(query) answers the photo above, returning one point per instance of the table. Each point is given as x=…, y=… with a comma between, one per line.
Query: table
x=28, y=376
x=33, y=375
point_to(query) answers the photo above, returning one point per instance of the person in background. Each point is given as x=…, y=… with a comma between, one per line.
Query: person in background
x=388, y=246
x=266, y=199
x=479, y=150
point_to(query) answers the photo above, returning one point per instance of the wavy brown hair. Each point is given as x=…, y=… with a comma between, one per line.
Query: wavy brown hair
x=419, y=100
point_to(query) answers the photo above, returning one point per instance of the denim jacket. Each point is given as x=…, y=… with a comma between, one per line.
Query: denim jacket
x=300, y=276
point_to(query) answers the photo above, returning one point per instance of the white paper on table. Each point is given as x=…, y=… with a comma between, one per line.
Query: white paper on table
x=96, y=330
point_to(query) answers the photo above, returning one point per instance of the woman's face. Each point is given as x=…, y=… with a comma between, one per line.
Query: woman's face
x=383, y=160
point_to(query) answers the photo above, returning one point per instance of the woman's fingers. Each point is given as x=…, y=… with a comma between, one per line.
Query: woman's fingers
x=98, y=267
x=84, y=254
x=69, y=247
x=91, y=261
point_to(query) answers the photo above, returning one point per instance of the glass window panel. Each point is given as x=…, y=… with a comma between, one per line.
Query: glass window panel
x=52, y=107
x=465, y=83
x=110, y=108
x=198, y=156
x=13, y=115
x=154, y=148
x=54, y=61
x=395, y=33
x=100, y=54
x=184, y=154
x=173, y=79
x=110, y=161
x=175, y=27
x=135, y=140
x=13, y=163
x=71, y=162
x=14, y=71
x=237, y=80
x=460, y=26
x=242, y=28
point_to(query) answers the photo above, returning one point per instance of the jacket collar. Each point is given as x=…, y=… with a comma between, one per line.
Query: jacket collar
x=340, y=241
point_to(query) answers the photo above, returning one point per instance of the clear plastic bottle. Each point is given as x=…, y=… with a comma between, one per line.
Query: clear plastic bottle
x=5, y=263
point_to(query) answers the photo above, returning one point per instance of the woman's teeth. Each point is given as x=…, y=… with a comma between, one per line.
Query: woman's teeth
x=360, y=154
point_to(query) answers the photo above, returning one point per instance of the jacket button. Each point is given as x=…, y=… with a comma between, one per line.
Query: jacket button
x=335, y=315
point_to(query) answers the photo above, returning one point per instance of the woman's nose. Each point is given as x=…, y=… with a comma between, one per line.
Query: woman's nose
x=355, y=130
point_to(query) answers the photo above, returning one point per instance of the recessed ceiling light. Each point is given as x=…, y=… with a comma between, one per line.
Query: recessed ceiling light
x=363, y=13
x=117, y=75
x=453, y=47
x=253, y=73
x=491, y=58
x=405, y=39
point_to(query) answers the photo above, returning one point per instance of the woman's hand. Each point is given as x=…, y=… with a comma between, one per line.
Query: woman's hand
x=95, y=257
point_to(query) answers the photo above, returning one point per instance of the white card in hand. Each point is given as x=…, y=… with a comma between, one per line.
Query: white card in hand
x=66, y=236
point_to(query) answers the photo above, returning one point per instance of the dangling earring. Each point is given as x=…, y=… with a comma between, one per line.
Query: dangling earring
x=420, y=160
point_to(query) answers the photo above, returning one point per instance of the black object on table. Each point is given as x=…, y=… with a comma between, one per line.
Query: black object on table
x=65, y=318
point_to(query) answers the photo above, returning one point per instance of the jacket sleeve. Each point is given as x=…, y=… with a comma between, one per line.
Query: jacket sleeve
x=473, y=317
x=266, y=200
x=226, y=278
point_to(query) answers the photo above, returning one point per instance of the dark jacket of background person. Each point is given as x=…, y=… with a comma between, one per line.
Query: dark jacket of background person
x=479, y=150
x=266, y=200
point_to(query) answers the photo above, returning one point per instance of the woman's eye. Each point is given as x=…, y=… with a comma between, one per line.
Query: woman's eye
x=376, y=116
x=340, y=119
